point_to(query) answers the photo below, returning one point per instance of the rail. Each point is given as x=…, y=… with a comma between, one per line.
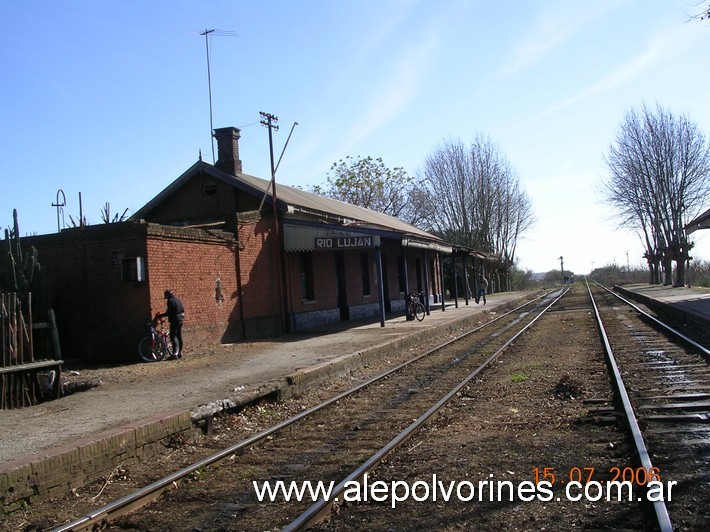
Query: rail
x=705, y=352
x=319, y=510
x=659, y=507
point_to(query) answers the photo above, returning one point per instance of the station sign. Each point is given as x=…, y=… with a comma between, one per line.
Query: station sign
x=344, y=242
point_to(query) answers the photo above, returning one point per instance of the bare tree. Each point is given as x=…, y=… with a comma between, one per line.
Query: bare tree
x=660, y=171
x=703, y=14
x=106, y=215
x=482, y=205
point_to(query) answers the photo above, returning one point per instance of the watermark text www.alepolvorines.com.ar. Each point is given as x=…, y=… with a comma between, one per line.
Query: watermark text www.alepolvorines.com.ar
x=436, y=490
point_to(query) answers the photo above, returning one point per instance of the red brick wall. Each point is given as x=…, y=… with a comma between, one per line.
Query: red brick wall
x=391, y=253
x=98, y=314
x=259, y=274
x=425, y=271
x=324, y=282
x=325, y=278
x=102, y=317
x=200, y=270
x=230, y=287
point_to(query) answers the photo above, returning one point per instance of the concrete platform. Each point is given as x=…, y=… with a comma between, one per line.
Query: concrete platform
x=58, y=445
x=691, y=304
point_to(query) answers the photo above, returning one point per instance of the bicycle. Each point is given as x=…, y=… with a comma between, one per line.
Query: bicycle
x=415, y=307
x=157, y=345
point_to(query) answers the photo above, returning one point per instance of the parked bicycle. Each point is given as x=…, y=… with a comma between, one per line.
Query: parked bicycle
x=415, y=307
x=156, y=346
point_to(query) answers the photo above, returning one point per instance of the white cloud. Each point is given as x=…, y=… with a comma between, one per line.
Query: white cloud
x=554, y=25
x=662, y=47
x=396, y=93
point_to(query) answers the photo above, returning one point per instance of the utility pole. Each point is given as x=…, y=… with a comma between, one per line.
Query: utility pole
x=562, y=269
x=628, y=269
x=268, y=120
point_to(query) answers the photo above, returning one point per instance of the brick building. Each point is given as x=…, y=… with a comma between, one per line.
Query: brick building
x=245, y=261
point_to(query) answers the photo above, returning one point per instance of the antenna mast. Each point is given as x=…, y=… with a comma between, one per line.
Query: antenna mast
x=207, y=34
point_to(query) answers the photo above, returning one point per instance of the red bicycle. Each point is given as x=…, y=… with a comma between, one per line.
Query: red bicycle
x=157, y=345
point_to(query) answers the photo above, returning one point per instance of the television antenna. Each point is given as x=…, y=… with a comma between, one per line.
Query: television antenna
x=207, y=33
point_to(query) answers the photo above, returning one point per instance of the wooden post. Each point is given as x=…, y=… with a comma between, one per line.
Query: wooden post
x=3, y=331
x=18, y=331
x=30, y=333
x=13, y=332
x=55, y=335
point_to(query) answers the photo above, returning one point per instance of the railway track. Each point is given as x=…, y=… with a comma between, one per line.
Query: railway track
x=321, y=442
x=667, y=375
x=509, y=403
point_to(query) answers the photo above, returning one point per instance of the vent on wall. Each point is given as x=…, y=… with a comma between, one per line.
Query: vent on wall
x=209, y=189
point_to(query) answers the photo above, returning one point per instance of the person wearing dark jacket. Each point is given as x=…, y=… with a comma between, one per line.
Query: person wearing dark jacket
x=175, y=313
x=482, y=288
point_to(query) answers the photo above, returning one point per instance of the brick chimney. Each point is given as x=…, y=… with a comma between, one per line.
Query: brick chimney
x=228, y=150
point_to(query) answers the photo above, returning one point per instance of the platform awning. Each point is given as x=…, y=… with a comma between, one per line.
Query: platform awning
x=700, y=222
x=409, y=242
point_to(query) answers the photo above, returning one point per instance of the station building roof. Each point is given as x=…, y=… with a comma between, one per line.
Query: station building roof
x=700, y=222
x=299, y=206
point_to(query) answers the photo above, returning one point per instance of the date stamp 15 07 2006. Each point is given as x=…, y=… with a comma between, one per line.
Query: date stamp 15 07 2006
x=616, y=483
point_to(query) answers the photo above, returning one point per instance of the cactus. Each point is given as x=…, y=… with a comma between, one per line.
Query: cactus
x=23, y=270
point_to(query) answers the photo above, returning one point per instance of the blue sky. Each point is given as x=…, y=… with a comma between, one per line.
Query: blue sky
x=110, y=98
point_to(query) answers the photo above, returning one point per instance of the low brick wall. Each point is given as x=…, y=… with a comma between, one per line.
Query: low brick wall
x=305, y=320
x=57, y=471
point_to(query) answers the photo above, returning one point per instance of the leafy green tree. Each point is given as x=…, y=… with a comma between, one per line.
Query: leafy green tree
x=369, y=183
x=555, y=276
x=521, y=279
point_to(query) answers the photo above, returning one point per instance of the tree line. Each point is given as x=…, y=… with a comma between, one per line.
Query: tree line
x=469, y=195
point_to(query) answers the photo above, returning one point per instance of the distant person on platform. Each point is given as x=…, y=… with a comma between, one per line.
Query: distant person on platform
x=482, y=289
x=175, y=314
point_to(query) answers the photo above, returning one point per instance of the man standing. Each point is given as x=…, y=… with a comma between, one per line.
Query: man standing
x=482, y=288
x=176, y=314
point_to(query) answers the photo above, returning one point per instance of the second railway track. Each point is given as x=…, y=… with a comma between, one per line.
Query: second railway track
x=666, y=376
